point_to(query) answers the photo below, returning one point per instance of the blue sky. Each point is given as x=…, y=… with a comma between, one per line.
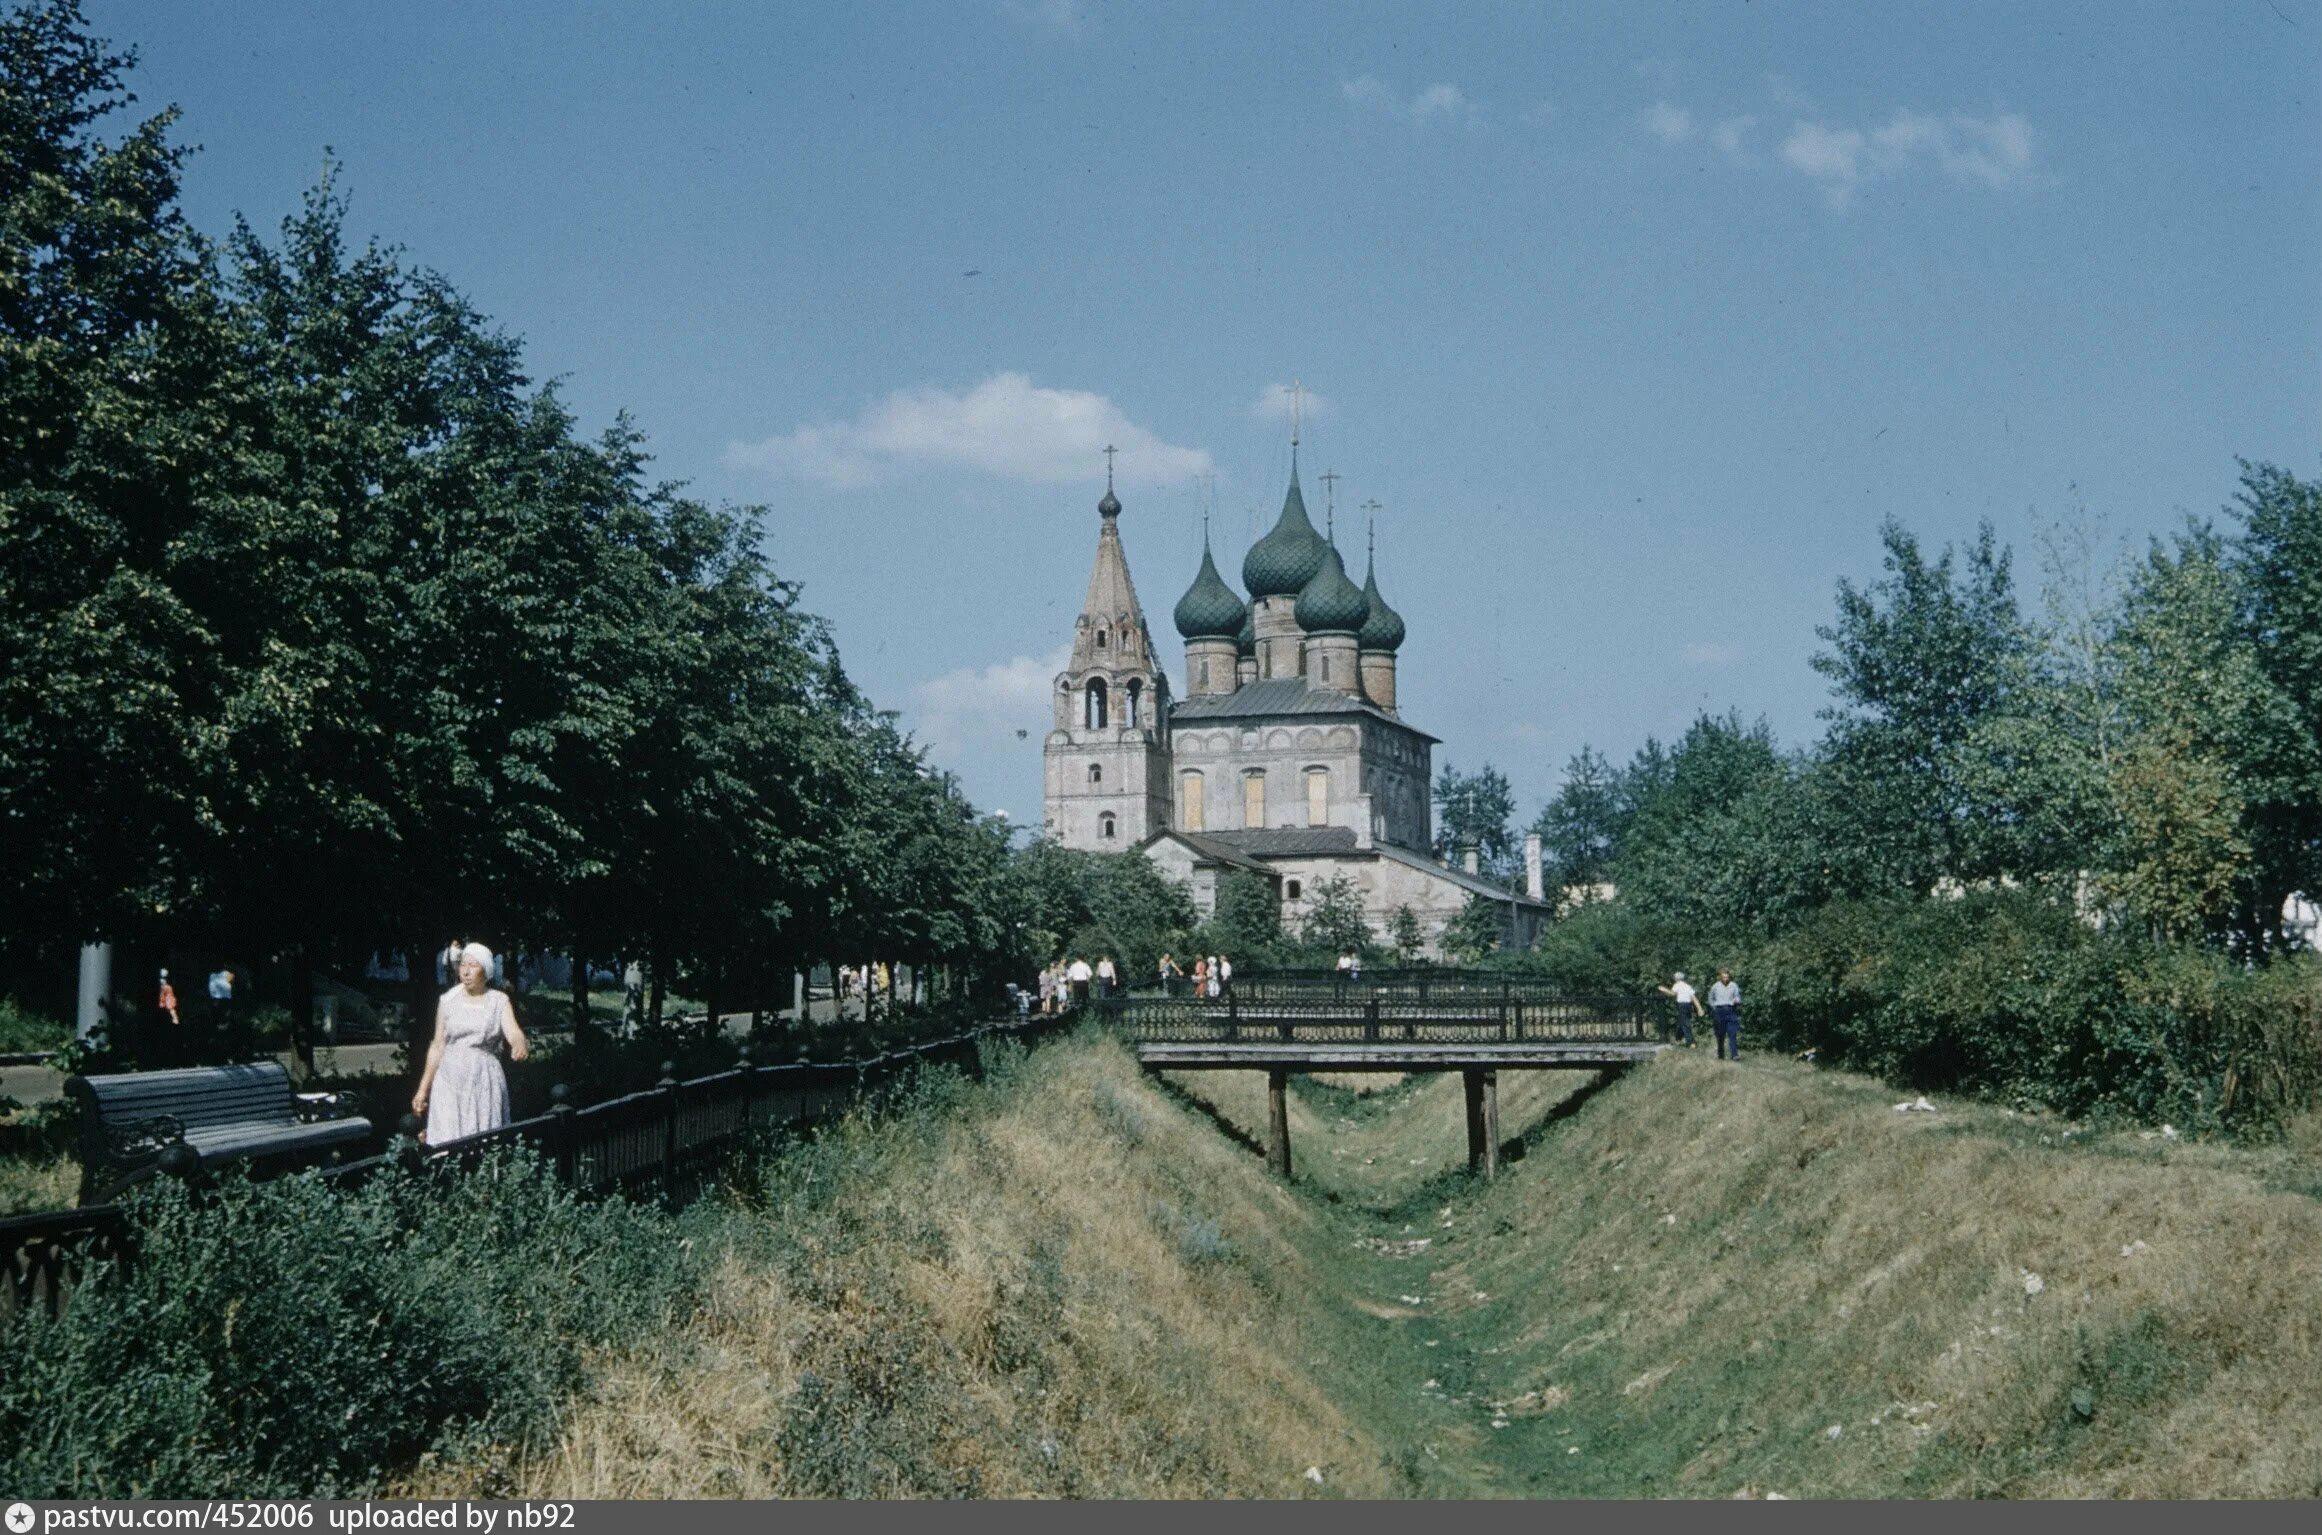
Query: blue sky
x=1635, y=319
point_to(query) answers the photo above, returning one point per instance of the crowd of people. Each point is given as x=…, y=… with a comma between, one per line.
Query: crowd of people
x=1073, y=980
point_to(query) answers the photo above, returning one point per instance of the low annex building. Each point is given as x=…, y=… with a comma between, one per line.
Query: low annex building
x=1289, y=756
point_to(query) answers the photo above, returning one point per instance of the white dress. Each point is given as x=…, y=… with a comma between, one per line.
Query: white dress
x=470, y=1094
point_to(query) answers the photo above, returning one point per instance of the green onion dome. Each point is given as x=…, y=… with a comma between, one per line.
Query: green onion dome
x=1286, y=559
x=1247, y=641
x=1209, y=610
x=1331, y=604
x=1383, y=630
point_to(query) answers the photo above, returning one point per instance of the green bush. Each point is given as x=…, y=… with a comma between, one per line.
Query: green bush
x=2002, y=993
x=286, y=1338
x=25, y=1032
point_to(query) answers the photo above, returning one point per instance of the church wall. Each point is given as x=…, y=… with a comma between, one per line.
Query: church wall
x=1225, y=752
x=1177, y=861
x=1397, y=767
x=1385, y=885
x=1134, y=790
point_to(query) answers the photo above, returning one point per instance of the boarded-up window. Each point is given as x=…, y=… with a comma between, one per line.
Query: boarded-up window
x=1318, y=796
x=1192, y=813
x=1254, y=800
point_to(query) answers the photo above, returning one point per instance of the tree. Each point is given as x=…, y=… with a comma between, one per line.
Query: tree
x=1474, y=811
x=1334, y=917
x=1404, y=932
x=2278, y=562
x=1918, y=662
x=1580, y=828
x=1477, y=929
x=1246, y=924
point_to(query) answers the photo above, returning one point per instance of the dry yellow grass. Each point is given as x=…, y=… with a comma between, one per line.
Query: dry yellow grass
x=1069, y=1273
x=1074, y=1285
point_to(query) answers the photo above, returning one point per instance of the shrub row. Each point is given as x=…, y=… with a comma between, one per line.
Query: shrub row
x=1998, y=993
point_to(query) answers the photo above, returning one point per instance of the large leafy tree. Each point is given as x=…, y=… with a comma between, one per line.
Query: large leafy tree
x=1476, y=810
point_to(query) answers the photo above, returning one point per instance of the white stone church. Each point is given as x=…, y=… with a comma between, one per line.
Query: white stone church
x=1288, y=759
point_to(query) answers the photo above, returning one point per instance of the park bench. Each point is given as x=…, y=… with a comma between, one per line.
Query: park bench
x=129, y=1123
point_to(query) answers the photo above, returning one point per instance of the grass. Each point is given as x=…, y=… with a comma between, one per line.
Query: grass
x=1077, y=1280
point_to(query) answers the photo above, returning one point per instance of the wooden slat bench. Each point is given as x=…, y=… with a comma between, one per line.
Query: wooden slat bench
x=219, y=1113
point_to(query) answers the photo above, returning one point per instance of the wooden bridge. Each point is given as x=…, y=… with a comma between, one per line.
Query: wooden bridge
x=1400, y=1021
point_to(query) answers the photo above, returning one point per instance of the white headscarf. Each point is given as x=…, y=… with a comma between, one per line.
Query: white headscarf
x=480, y=955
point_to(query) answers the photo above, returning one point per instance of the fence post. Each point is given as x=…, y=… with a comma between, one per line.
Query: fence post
x=1503, y=1007
x=407, y=1131
x=1371, y=1018
x=749, y=1082
x=668, y=1086
x=561, y=1144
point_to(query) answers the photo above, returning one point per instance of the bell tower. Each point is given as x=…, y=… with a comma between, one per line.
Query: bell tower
x=1107, y=757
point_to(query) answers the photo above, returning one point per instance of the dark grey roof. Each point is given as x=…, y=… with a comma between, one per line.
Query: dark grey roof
x=1212, y=849
x=1283, y=696
x=1475, y=883
x=1289, y=841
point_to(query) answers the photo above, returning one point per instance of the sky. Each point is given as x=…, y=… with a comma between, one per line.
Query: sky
x=1635, y=320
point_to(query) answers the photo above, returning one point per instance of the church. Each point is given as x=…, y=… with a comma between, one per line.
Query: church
x=1289, y=757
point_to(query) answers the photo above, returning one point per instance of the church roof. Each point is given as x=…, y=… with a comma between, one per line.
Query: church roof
x=1383, y=629
x=1290, y=555
x=1111, y=605
x=1281, y=698
x=1290, y=841
x=1331, y=604
x=1210, y=849
x=1209, y=610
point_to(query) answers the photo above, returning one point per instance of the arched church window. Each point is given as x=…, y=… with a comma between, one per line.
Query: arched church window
x=1192, y=812
x=1205, y=676
x=1132, y=715
x=1100, y=639
x=1326, y=668
x=1096, y=772
x=1096, y=711
x=1292, y=890
x=1105, y=827
x=1254, y=800
x=1318, y=796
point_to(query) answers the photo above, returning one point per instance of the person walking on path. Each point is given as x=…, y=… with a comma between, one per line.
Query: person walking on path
x=1686, y=1005
x=167, y=1001
x=1221, y=971
x=1108, y=977
x=1169, y=974
x=462, y=1090
x=1080, y=974
x=1725, y=1011
x=1200, y=978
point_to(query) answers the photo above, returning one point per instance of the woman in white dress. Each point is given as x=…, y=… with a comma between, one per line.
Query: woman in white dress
x=462, y=1090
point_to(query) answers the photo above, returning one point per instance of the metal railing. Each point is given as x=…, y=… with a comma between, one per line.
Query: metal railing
x=1384, y=1008
x=669, y=1140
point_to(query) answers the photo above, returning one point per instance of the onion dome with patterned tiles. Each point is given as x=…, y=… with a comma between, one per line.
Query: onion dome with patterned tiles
x=1247, y=641
x=1331, y=604
x=1209, y=610
x=1291, y=555
x=1383, y=630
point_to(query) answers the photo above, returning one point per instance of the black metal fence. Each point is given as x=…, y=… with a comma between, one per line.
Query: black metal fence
x=1382, y=1006
x=668, y=1141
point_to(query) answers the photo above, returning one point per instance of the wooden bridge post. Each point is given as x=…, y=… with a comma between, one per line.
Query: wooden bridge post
x=1278, y=1120
x=1491, y=1123
x=1472, y=1080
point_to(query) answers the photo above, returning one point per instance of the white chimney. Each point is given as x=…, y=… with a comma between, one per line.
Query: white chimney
x=1534, y=886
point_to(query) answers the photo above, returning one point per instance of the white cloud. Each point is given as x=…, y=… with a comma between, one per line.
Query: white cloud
x=1731, y=133
x=1992, y=152
x=1067, y=16
x=1006, y=425
x=972, y=709
x=1443, y=101
x=1669, y=123
x=1273, y=404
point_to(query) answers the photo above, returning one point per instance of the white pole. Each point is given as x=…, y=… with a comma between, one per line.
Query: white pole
x=96, y=985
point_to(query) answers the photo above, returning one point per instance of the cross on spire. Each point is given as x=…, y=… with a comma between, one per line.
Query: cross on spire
x=1110, y=450
x=1372, y=506
x=1329, y=478
x=1297, y=413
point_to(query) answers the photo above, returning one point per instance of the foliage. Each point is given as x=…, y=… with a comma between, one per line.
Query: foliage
x=1405, y=934
x=1334, y=918
x=288, y=1339
x=1474, y=810
x=1477, y=929
x=25, y=1032
x=1246, y=925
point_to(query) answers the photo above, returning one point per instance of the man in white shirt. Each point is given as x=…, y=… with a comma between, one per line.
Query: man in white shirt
x=1725, y=1013
x=1079, y=974
x=1108, y=976
x=1686, y=1005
